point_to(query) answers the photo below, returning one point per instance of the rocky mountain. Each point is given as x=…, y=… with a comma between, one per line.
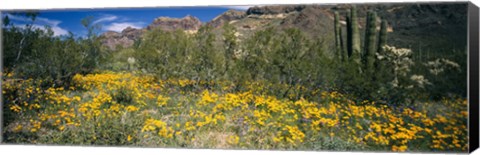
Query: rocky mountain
x=422, y=26
x=128, y=36
x=417, y=26
x=187, y=23
x=275, y=9
x=228, y=16
x=124, y=39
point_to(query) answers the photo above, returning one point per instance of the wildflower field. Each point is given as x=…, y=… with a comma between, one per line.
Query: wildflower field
x=130, y=109
x=347, y=82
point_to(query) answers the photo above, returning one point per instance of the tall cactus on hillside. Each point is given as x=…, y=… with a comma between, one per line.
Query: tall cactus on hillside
x=349, y=35
x=368, y=57
x=353, y=35
x=338, y=38
x=230, y=44
x=382, y=41
x=353, y=50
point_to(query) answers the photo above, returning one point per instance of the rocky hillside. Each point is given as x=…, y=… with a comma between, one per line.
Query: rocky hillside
x=129, y=35
x=228, y=16
x=426, y=27
x=187, y=23
x=124, y=39
x=417, y=26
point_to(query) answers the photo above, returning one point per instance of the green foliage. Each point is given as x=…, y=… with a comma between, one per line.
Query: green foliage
x=284, y=58
x=368, y=57
x=289, y=58
x=34, y=53
x=122, y=96
x=118, y=60
x=91, y=45
x=206, y=59
x=277, y=56
x=448, y=75
x=385, y=76
x=258, y=48
x=165, y=54
x=353, y=36
x=382, y=41
x=339, y=39
x=18, y=41
x=230, y=43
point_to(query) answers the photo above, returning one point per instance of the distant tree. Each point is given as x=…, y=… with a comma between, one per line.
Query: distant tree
x=166, y=54
x=255, y=61
x=92, y=45
x=31, y=52
x=230, y=45
x=17, y=40
x=206, y=58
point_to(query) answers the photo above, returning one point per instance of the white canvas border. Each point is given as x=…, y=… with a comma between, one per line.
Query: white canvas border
x=88, y=4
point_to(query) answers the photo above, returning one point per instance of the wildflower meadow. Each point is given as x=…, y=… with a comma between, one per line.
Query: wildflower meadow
x=275, y=88
x=129, y=109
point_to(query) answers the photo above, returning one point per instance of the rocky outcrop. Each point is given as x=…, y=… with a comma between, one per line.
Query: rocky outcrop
x=187, y=23
x=124, y=39
x=311, y=19
x=132, y=33
x=276, y=9
x=228, y=16
x=424, y=26
x=410, y=25
x=129, y=35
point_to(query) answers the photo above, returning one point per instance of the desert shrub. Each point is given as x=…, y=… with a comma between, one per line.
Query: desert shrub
x=17, y=41
x=393, y=80
x=283, y=57
x=165, y=54
x=448, y=76
x=206, y=60
x=122, y=96
x=121, y=59
x=35, y=53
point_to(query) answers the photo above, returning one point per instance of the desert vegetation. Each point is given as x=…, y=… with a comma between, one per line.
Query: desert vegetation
x=275, y=89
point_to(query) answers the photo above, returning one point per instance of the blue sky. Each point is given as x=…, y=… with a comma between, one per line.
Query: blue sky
x=64, y=21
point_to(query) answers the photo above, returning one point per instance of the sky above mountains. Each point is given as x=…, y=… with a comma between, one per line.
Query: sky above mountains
x=64, y=21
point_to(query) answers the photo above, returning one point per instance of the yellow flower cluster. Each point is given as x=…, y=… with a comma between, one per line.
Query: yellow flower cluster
x=160, y=126
x=291, y=134
x=177, y=114
x=233, y=139
x=162, y=101
x=207, y=98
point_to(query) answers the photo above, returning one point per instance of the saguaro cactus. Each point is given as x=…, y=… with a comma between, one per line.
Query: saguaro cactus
x=353, y=50
x=382, y=39
x=349, y=35
x=353, y=35
x=368, y=57
x=338, y=37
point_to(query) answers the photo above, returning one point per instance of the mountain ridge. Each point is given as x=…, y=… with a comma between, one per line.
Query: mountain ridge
x=410, y=25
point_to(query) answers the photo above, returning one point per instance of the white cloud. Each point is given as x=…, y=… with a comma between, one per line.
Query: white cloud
x=107, y=18
x=38, y=20
x=40, y=23
x=118, y=27
x=18, y=18
x=57, y=31
x=243, y=7
x=48, y=21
